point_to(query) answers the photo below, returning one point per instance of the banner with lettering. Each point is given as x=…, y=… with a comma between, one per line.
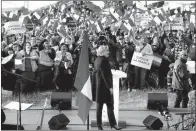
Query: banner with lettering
x=142, y=61
x=71, y=23
x=177, y=23
x=14, y=27
x=191, y=66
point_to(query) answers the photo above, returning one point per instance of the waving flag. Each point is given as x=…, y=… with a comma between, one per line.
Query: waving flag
x=83, y=83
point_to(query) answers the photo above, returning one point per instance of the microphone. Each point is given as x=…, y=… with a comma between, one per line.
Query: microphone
x=164, y=112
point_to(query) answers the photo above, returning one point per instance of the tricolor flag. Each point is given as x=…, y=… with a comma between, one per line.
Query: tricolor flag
x=157, y=20
x=158, y=4
x=83, y=83
x=192, y=18
x=112, y=16
x=13, y=16
x=140, y=6
x=191, y=26
x=61, y=31
x=131, y=22
x=18, y=63
x=76, y=17
x=24, y=19
x=104, y=19
x=125, y=26
x=8, y=13
x=37, y=15
x=161, y=17
x=152, y=23
x=25, y=12
x=93, y=7
x=45, y=21
x=99, y=26
x=101, y=4
x=63, y=8
x=5, y=14
x=166, y=15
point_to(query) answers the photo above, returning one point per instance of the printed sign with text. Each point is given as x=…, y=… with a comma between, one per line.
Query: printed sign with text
x=14, y=27
x=142, y=61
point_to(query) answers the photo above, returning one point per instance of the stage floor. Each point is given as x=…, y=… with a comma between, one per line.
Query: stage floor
x=134, y=119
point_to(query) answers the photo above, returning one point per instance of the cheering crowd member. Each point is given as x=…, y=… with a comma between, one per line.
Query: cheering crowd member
x=142, y=46
x=129, y=69
x=191, y=53
x=104, y=87
x=29, y=67
x=46, y=67
x=180, y=80
x=63, y=75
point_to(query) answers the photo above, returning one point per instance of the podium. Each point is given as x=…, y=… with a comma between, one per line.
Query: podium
x=117, y=74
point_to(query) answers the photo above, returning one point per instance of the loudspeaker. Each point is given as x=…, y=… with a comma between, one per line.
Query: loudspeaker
x=8, y=126
x=62, y=100
x=153, y=123
x=157, y=98
x=58, y=122
x=2, y=116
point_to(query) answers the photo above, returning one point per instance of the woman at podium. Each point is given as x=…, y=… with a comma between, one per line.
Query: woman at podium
x=104, y=87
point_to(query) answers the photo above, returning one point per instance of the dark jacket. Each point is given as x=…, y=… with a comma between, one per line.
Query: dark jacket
x=129, y=50
x=102, y=80
x=180, y=76
x=191, y=47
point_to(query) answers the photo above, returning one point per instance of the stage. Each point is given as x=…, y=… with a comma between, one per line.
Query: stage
x=31, y=118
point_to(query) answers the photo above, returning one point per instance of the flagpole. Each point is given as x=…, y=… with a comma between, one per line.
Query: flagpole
x=146, y=3
x=88, y=122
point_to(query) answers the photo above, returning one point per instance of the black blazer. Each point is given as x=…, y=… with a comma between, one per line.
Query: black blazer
x=102, y=81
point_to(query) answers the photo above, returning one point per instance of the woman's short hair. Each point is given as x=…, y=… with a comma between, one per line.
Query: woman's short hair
x=24, y=47
x=101, y=50
x=41, y=46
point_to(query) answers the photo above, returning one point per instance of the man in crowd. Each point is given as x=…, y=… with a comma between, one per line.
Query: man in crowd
x=143, y=47
x=180, y=80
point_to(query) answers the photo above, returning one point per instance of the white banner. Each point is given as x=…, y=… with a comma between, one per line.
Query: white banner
x=177, y=23
x=142, y=61
x=191, y=66
x=14, y=27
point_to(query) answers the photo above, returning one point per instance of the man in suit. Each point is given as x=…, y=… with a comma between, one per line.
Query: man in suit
x=103, y=83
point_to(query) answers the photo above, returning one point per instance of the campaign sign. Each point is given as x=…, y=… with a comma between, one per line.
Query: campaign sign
x=191, y=66
x=177, y=23
x=142, y=61
x=71, y=23
x=14, y=27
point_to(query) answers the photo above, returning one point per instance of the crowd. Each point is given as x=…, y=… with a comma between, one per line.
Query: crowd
x=51, y=59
